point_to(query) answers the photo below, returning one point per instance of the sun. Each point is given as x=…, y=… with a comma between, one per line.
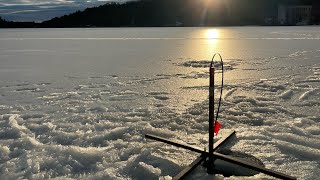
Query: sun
x=212, y=34
x=209, y=3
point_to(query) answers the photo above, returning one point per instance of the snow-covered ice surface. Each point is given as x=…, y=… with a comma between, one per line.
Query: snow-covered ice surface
x=76, y=103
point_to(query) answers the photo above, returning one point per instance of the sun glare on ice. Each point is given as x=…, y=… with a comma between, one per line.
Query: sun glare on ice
x=212, y=34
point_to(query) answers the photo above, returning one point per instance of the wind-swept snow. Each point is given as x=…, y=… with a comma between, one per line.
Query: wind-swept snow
x=92, y=126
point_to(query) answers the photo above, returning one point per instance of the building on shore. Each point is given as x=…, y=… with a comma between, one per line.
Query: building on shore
x=315, y=12
x=294, y=15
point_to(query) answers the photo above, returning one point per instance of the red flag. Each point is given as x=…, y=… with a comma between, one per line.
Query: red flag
x=217, y=127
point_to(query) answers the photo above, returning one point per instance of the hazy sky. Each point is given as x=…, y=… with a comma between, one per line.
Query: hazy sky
x=40, y=10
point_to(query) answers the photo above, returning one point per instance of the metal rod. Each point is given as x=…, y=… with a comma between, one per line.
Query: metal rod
x=210, y=168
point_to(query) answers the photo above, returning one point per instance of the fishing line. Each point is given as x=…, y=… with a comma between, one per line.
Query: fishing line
x=222, y=77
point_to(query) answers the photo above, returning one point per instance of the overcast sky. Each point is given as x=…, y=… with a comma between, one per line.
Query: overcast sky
x=40, y=10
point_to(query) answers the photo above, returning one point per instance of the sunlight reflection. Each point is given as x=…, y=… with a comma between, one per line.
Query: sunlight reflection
x=212, y=36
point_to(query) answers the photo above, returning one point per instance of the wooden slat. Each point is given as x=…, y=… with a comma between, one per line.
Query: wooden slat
x=253, y=167
x=184, y=146
x=225, y=158
x=202, y=158
x=189, y=168
x=223, y=140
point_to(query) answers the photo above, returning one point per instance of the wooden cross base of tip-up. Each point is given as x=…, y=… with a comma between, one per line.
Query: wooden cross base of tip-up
x=209, y=157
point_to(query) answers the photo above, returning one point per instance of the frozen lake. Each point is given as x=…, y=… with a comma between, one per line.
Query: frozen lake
x=76, y=103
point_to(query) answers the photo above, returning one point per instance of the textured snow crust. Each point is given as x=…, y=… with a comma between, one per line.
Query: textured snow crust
x=93, y=126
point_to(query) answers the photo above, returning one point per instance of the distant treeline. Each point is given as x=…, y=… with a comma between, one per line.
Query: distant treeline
x=10, y=24
x=159, y=13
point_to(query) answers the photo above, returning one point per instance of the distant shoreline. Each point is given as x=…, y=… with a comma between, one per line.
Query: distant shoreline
x=115, y=27
x=183, y=13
